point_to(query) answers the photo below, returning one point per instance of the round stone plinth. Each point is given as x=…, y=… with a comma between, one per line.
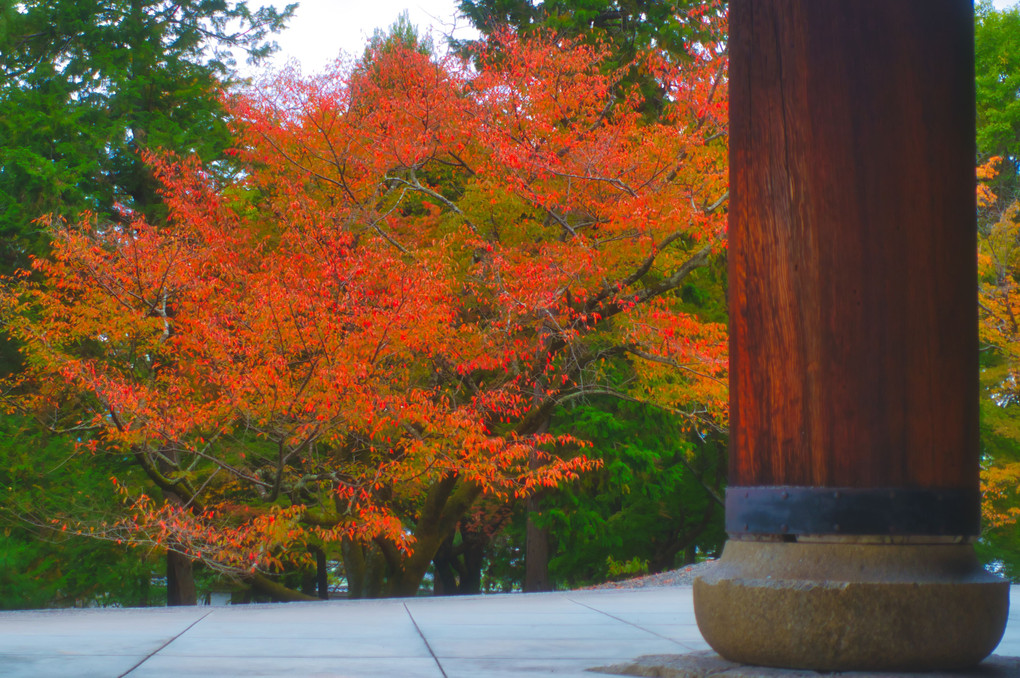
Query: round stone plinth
x=851, y=607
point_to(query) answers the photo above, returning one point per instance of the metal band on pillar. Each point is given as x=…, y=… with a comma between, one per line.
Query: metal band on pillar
x=851, y=511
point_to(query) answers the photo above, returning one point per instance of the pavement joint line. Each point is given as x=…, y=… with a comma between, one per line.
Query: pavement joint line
x=637, y=626
x=160, y=648
x=424, y=640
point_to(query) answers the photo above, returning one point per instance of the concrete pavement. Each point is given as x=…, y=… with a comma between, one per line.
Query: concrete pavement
x=500, y=636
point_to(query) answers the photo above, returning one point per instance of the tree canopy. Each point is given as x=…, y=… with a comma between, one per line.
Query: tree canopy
x=997, y=64
x=370, y=327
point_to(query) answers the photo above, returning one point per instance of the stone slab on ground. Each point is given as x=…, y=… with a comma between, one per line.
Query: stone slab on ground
x=560, y=634
x=500, y=636
x=706, y=663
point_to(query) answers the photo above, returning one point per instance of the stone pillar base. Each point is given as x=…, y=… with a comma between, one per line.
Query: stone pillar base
x=851, y=606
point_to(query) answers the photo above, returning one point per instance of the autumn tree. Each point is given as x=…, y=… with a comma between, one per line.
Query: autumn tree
x=626, y=30
x=997, y=52
x=369, y=331
x=534, y=181
x=999, y=302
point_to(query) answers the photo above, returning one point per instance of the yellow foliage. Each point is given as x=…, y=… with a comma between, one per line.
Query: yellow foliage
x=1000, y=487
x=998, y=259
x=986, y=172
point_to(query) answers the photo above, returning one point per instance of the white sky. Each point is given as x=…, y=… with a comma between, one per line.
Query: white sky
x=320, y=29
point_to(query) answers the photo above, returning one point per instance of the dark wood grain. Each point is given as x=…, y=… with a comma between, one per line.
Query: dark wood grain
x=852, y=244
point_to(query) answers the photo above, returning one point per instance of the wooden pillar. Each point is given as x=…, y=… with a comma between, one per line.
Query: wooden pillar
x=853, y=332
x=852, y=246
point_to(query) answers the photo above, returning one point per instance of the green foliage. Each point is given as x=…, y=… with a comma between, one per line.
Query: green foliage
x=629, y=25
x=85, y=86
x=999, y=546
x=627, y=568
x=36, y=572
x=41, y=564
x=504, y=566
x=401, y=32
x=704, y=293
x=654, y=498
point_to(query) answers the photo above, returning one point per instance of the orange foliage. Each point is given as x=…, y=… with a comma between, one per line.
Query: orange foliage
x=417, y=263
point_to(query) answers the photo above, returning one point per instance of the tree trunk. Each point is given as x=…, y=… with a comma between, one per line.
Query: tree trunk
x=353, y=555
x=536, y=540
x=315, y=582
x=276, y=591
x=380, y=568
x=180, y=580
x=308, y=582
x=365, y=569
x=474, y=546
x=536, y=553
x=445, y=570
x=448, y=501
x=458, y=570
x=321, y=578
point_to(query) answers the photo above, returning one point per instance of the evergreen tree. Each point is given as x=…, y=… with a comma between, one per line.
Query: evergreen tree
x=629, y=25
x=86, y=86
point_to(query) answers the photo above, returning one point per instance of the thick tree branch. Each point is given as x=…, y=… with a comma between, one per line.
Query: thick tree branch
x=416, y=185
x=276, y=591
